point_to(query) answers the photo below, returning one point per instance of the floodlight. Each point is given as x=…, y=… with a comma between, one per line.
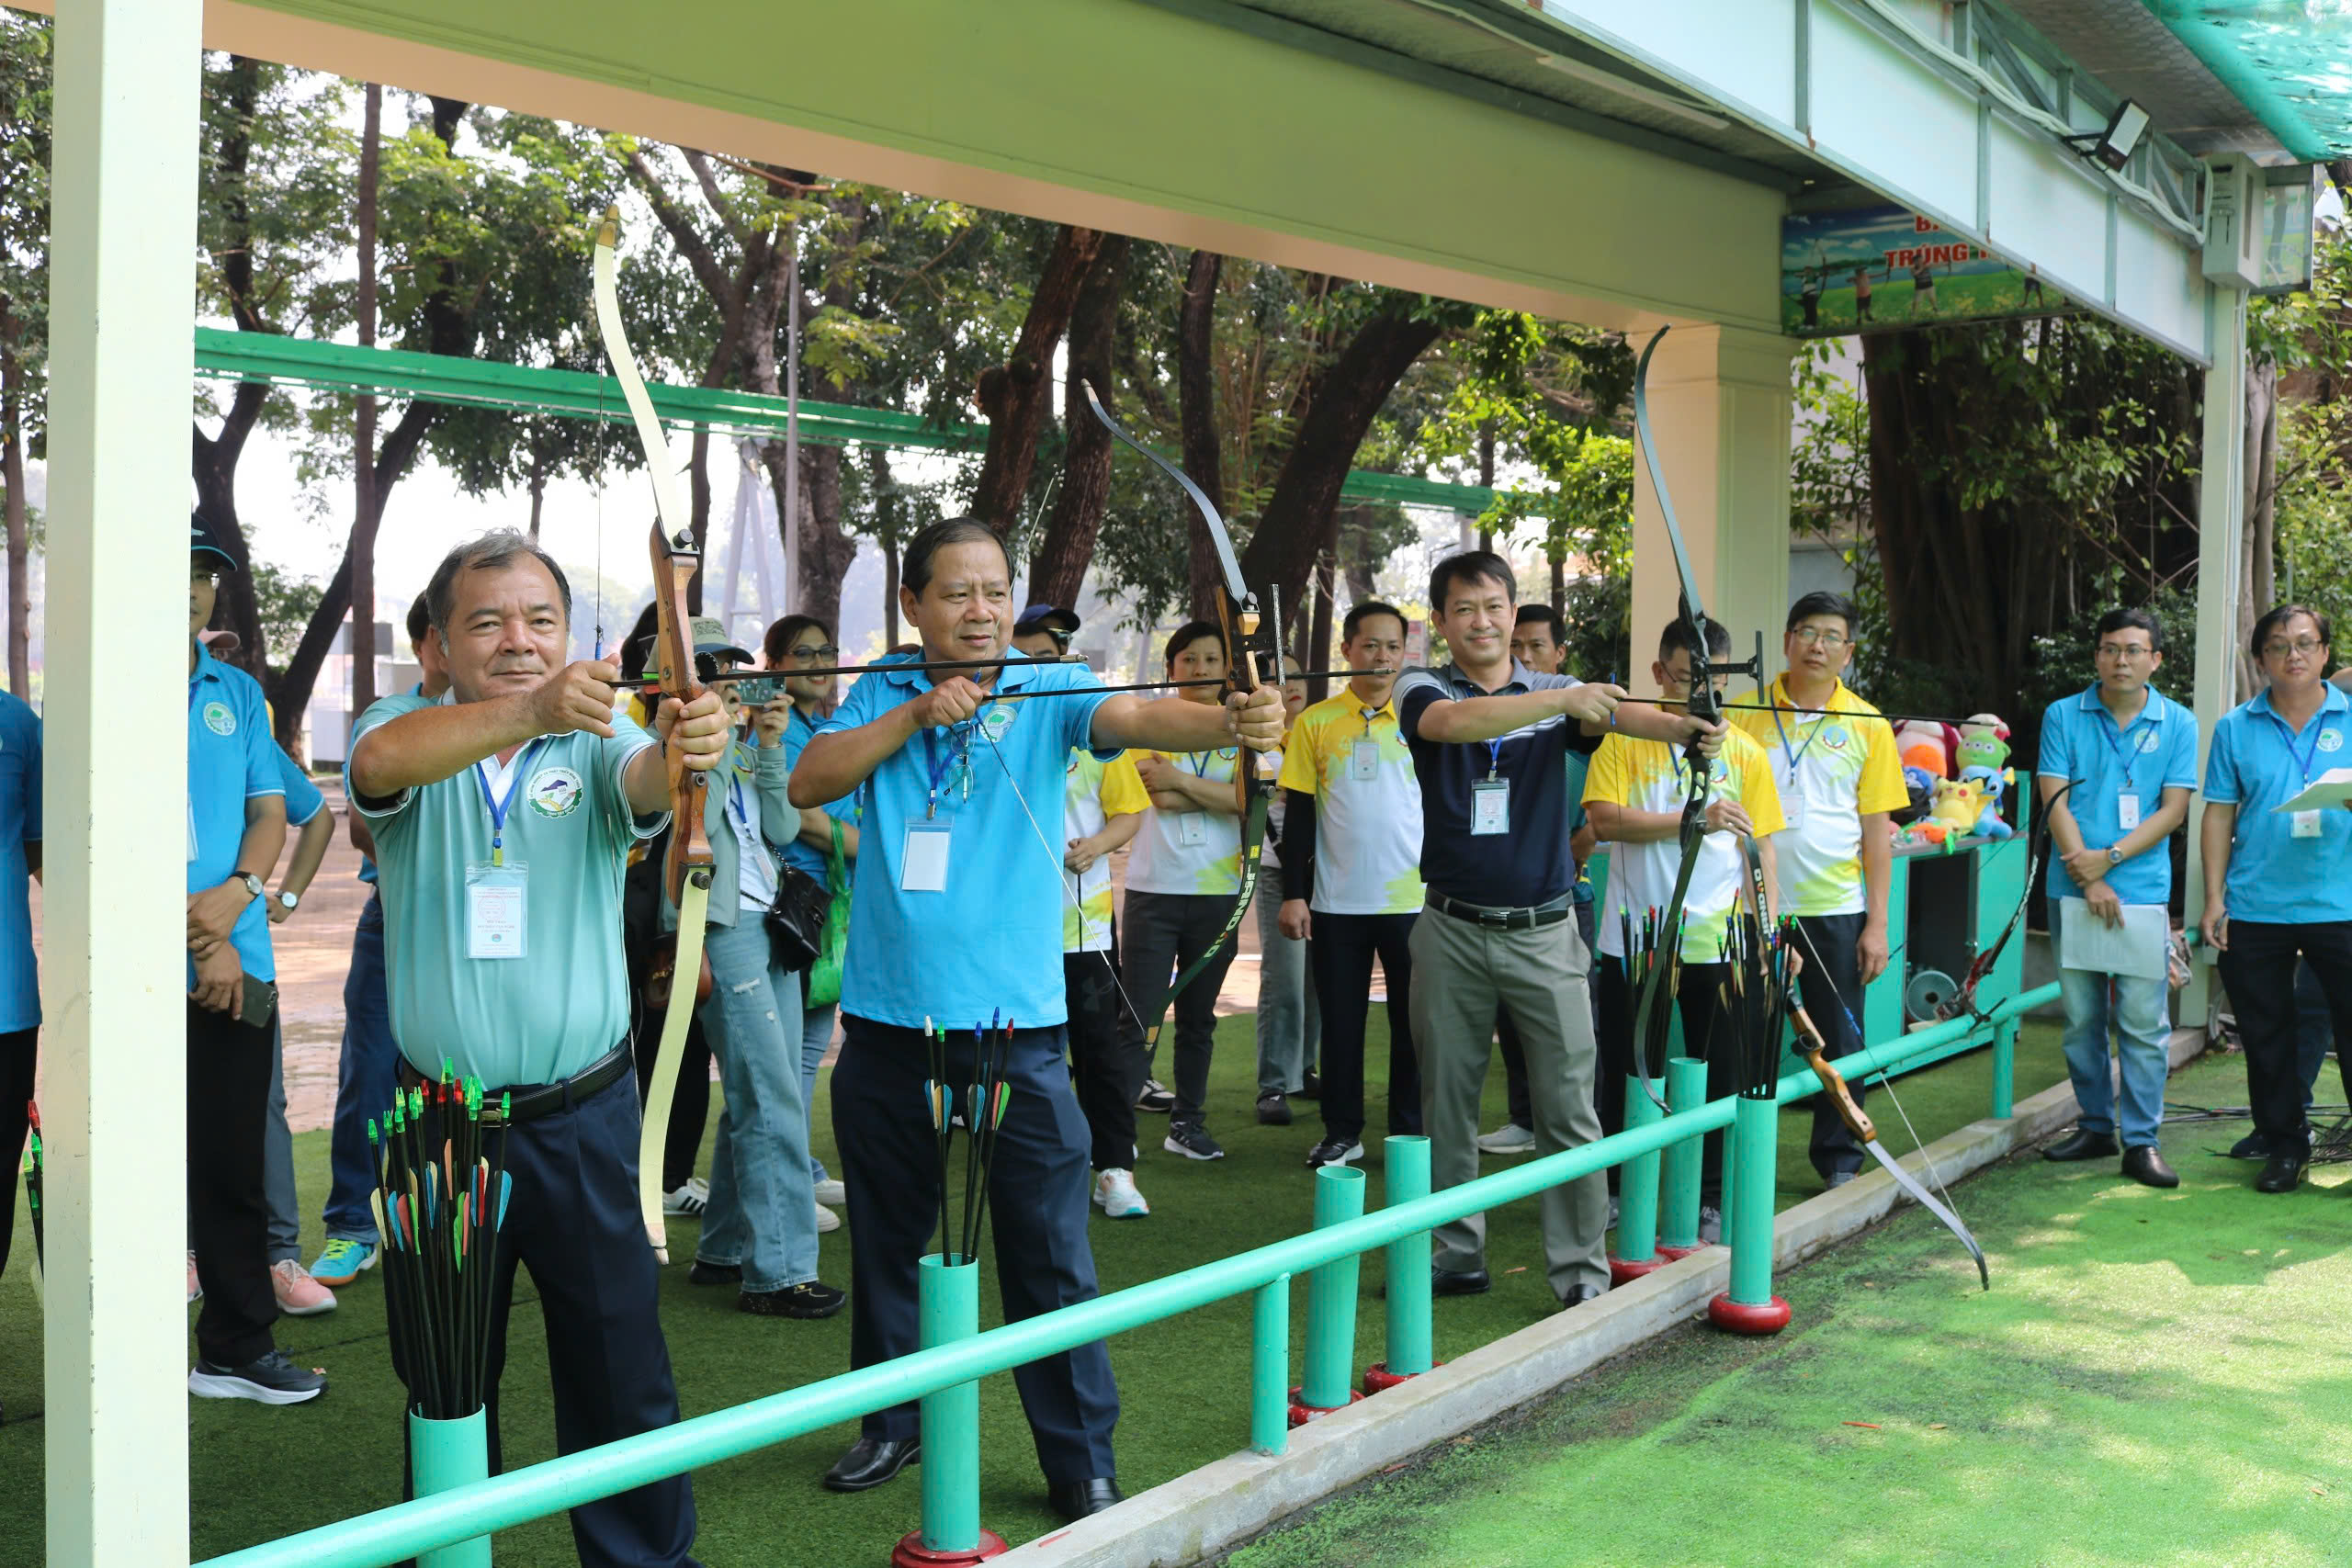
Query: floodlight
x=2113, y=143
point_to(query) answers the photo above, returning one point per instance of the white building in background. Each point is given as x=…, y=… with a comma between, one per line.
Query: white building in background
x=326, y=723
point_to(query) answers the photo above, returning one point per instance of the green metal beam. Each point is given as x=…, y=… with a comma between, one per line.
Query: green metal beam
x=227, y=356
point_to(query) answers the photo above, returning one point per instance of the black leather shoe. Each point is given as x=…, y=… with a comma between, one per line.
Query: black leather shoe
x=1075, y=1499
x=2284, y=1172
x=1579, y=1294
x=702, y=1273
x=2254, y=1146
x=871, y=1462
x=2145, y=1163
x=2081, y=1145
x=1469, y=1283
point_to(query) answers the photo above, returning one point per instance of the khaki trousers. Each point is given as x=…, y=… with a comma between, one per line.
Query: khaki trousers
x=1461, y=972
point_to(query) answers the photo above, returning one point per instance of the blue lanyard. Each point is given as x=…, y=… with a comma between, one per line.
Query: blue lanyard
x=498, y=809
x=1796, y=754
x=1200, y=760
x=1494, y=756
x=940, y=765
x=2309, y=751
x=2125, y=757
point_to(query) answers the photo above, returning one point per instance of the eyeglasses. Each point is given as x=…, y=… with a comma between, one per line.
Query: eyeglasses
x=2123, y=650
x=209, y=579
x=2306, y=645
x=813, y=656
x=1817, y=637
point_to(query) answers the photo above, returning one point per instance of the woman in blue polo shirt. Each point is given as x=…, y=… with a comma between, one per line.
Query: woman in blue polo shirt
x=804, y=642
x=2283, y=874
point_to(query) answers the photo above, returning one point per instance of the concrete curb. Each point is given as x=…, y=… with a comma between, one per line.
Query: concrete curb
x=1223, y=1504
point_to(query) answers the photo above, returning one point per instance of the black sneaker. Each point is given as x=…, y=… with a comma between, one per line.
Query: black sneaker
x=1330, y=1151
x=1192, y=1140
x=1273, y=1109
x=703, y=1273
x=1309, y=1086
x=810, y=1299
x=1156, y=1098
x=266, y=1380
x=2254, y=1146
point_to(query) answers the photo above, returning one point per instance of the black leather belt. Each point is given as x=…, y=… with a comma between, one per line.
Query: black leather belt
x=1547, y=913
x=533, y=1101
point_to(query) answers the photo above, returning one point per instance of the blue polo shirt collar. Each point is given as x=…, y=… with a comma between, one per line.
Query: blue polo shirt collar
x=2333, y=699
x=906, y=669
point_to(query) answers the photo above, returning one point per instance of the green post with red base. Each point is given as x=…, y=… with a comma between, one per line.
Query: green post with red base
x=1686, y=1089
x=1637, y=1250
x=1331, y=1303
x=1409, y=1353
x=951, y=1536
x=1749, y=1306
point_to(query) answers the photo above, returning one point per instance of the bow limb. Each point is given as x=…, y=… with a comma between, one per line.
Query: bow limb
x=686, y=869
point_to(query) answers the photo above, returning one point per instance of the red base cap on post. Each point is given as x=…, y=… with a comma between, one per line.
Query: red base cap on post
x=1677, y=1254
x=1302, y=1413
x=1377, y=1378
x=1624, y=1270
x=910, y=1553
x=1748, y=1317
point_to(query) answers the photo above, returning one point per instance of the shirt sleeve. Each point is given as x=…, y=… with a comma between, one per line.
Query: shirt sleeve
x=1881, y=787
x=1076, y=714
x=1300, y=757
x=303, y=800
x=2181, y=757
x=2221, y=784
x=867, y=700
x=1759, y=793
x=613, y=757
x=1122, y=791
x=2057, y=759
x=1415, y=689
x=1605, y=777
x=32, y=790
x=261, y=755
x=384, y=711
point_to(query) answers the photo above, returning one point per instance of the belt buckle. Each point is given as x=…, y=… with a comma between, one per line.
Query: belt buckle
x=1495, y=917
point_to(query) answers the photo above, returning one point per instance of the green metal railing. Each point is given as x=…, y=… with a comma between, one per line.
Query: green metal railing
x=480, y=1507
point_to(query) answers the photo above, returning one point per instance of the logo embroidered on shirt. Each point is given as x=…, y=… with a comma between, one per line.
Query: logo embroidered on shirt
x=2330, y=740
x=221, y=721
x=997, y=720
x=555, y=792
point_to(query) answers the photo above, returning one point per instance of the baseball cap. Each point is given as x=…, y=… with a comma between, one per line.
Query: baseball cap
x=1040, y=618
x=204, y=536
x=709, y=635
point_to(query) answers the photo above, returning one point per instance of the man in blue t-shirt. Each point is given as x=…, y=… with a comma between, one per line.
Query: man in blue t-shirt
x=19, y=983
x=237, y=827
x=2117, y=764
x=957, y=918
x=2278, y=883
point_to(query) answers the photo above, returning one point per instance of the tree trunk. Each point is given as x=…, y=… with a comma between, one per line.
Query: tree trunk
x=2258, y=569
x=1486, y=476
x=1317, y=650
x=1299, y=517
x=1196, y=419
x=826, y=551
x=12, y=481
x=1014, y=395
x=363, y=462
x=698, y=515
x=1058, y=569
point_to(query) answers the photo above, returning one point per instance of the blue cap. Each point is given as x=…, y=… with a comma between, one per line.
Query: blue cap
x=1037, y=618
x=204, y=536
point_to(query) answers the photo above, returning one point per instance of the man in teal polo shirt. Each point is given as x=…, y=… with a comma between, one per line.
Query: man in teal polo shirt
x=2130, y=755
x=2278, y=884
x=237, y=825
x=502, y=817
x=957, y=919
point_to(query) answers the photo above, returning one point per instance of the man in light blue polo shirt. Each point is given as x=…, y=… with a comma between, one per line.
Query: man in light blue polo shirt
x=502, y=817
x=237, y=827
x=959, y=918
x=2130, y=755
x=2284, y=877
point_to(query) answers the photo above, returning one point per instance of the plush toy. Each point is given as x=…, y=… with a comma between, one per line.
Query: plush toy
x=1988, y=821
x=1983, y=742
x=1927, y=746
x=1959, y=804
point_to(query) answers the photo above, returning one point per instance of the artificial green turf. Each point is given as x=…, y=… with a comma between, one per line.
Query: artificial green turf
x=257, y=1473
x=2156, y=1377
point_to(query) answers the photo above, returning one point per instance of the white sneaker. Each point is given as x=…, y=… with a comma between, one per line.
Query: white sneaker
x=194, y=1288
x=830, y=1190
x=298, y=1295
x=688, y=1199
x=1115, y=1195
x=1510, y=1138
x=827, y=1220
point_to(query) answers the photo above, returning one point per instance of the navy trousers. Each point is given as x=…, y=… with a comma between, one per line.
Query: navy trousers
x=1038, y=1208
x=573, y=1222
x=366, y=1076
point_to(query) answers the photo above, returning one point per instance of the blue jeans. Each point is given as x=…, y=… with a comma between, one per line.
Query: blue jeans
x=365, y=1079
x=1290, y=1015
x=278, y=1160
x=815, y=1038
x=2136, y=1010
x=761, y=1213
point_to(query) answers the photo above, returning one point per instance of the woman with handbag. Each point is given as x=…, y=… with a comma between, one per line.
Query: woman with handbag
x=759, y=1228
x=826, y=848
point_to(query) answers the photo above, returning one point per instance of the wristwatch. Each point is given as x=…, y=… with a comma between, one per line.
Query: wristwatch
x=2114, y=855
x=289, y=900
x=253, y=884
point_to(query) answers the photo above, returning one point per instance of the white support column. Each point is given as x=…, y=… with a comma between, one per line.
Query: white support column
x=2221, y=554
x=1720, y=405
x=114, y=952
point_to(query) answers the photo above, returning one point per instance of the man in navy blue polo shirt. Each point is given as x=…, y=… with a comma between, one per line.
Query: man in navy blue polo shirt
x=957, y=919
x=1490, y=740
x=237, y=827
x=2130, y=754
x=2278, y=884
x=19, y=983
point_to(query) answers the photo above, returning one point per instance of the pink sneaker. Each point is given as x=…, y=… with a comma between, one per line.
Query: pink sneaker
x=298, y=1295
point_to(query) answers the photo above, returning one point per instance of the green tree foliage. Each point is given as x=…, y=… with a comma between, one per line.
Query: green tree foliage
x=2309, y=335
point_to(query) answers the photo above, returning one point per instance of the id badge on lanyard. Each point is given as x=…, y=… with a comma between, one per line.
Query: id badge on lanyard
x=922, y=865
x=497, y=909
x=1491, y=798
